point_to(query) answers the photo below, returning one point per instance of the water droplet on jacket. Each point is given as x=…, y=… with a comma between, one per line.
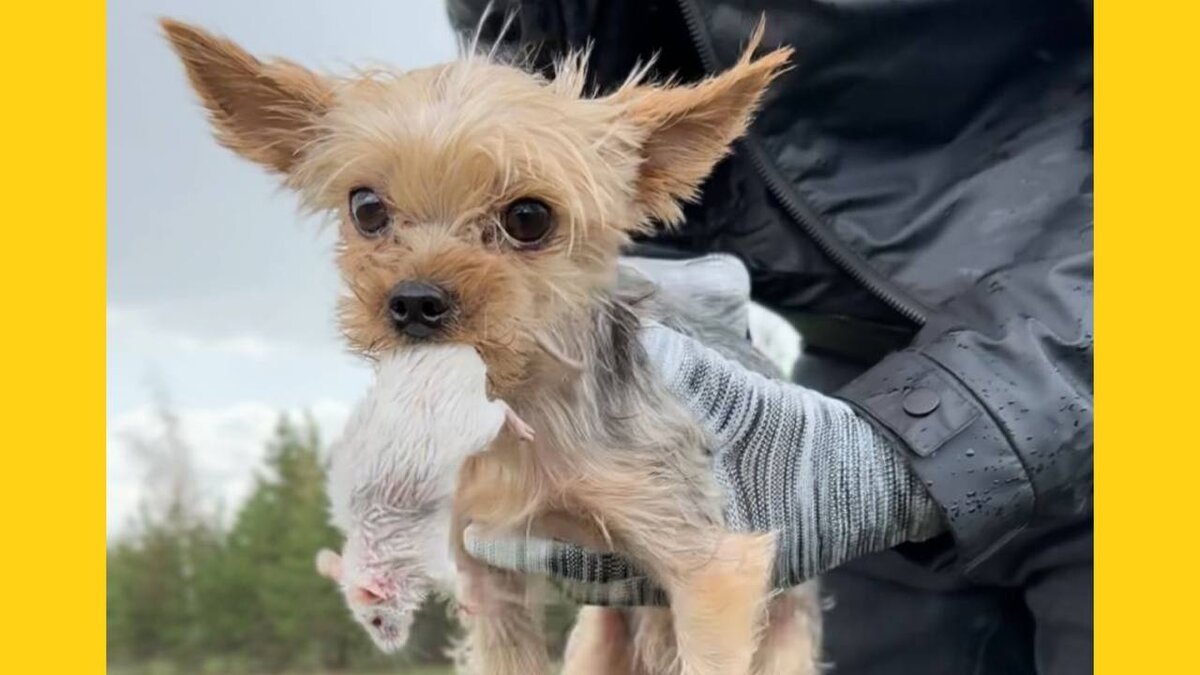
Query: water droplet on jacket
x=970, y=452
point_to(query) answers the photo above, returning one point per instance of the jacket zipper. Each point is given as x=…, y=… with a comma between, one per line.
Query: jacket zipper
x=804, y=216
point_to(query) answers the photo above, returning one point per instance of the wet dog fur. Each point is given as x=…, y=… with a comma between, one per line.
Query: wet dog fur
x=618, y=462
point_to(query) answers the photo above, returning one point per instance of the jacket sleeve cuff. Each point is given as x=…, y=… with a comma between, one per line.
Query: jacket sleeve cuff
x=954, y=445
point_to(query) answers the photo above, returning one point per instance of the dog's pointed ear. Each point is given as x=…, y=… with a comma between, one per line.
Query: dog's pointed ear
x=686, y=130
x=264, y=111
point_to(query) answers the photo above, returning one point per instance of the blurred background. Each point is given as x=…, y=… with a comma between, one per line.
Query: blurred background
x=226, y=374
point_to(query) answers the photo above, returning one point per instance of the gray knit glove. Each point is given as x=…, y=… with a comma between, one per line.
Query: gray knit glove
x=794, y=461
x=788, y=459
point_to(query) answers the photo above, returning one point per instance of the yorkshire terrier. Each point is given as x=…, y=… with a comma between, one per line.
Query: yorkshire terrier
x=483, y=204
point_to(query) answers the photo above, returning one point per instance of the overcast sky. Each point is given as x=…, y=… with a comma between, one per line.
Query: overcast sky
x=219, y=293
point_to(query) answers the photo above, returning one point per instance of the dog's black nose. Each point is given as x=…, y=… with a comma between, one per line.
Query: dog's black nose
x=418, y=308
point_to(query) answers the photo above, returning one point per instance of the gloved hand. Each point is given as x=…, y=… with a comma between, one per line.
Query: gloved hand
x=788, y=459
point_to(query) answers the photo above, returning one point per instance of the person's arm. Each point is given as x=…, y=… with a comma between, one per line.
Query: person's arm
x=995, y=413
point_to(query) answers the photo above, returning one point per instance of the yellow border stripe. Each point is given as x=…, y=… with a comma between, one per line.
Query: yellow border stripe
x=52, y=497
x=1148, y=456
x=1147, y=381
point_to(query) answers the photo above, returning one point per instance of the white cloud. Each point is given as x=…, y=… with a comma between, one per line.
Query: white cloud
x=137, y=326
x=226, y=444
x=248, y=346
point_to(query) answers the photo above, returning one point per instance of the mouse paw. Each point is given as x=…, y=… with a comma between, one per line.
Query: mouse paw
x=517, y=425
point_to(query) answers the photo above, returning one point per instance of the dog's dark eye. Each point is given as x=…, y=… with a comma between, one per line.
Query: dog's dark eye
x=368, y=211
x=527, y=220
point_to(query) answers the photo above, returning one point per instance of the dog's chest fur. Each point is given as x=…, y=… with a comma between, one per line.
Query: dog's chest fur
x=613, y=417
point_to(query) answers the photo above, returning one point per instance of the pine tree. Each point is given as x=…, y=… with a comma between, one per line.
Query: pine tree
x=185, y=590
x=153, y=606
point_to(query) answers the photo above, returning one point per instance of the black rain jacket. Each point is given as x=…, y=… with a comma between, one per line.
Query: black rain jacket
x=921, y=177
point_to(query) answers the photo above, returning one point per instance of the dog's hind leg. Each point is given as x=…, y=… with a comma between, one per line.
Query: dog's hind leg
x=788, y=642
x=607, y=641
x=504, y=634
x=654, y=648
x=717, y=581
x=791, y=637
x=502, y=614
x=718, y=588
x=600, y=643
x=718, y=602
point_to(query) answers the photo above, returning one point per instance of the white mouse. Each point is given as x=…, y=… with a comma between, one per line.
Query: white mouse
x=392, y=478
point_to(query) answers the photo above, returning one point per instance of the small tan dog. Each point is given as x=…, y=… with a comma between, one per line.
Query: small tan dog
x=484, y=205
